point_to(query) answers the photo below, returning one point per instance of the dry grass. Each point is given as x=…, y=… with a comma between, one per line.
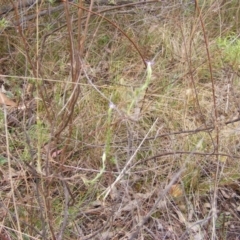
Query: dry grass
x=105, y=148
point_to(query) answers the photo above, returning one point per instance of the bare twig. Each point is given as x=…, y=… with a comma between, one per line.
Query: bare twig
x=216, y=120
x=20, y=236
x=66, y=215
x=127, y=165
x=162, y=194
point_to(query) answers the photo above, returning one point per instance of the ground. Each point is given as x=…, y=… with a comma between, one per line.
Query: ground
x=120, y=121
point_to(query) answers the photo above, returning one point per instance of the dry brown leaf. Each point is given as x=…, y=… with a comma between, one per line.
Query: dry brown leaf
x=4, y=100
x=176, y=191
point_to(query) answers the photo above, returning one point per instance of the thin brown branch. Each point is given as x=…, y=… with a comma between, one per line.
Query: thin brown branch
x=188, y=153
x=162, y=194
x=66, y=214
x=117, y=27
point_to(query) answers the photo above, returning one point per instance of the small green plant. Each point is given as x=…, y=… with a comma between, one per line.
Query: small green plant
x=230, y=46
x=107, y=147
x=140, y=92
x=3, y=24
x=52, y=1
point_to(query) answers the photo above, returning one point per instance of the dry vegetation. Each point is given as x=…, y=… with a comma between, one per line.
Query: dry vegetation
x=121, y=128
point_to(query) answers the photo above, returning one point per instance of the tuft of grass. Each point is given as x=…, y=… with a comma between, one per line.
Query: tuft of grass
x=230, y=46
